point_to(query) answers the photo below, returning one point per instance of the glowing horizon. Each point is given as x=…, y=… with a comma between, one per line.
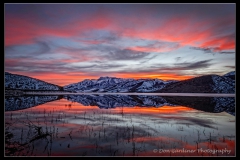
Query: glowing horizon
x=69, y=80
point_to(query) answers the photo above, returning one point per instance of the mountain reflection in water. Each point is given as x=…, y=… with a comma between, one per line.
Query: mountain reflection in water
x=206, y=104
x=114, y=125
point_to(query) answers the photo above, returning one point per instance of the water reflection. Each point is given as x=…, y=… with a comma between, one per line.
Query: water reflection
x=67, y=128
x=206, y=104
x=23, y=102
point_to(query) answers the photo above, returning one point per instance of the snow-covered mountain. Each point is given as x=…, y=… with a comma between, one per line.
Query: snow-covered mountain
x=14, y=81
x=23, y=102
x=207, y=104
x=223, y=84
x=203, y=84
x=112, y=84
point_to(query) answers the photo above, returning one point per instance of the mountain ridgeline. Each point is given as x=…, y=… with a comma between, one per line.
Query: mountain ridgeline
x=201, y=84
x=112, y=84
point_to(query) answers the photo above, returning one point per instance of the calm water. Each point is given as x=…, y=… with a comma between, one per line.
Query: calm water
x=114, y=125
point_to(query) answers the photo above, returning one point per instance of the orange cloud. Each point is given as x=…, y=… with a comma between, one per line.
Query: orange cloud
x=223, y=43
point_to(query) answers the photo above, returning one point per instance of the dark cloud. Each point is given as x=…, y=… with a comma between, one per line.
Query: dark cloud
x=194, y=65
x=233, y=67
x=111, y=36
x=211, y=50
x=35, y=66
x=109, y=66
x=148, y=59
x=206, y=50
x=20, y=51
x=69, y=49
x=99, y=67
x=9, y=48
x=126, y=54
x=43, y=47
x=14, y=65
x=201, y=9
x=226, y=52
x=177, y=67
x=13, y=52
x=99, y=37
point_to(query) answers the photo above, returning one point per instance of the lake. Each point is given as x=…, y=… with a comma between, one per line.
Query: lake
x=119, y=125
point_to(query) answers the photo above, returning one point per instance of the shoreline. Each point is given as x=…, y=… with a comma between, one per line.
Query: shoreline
x=117, y=93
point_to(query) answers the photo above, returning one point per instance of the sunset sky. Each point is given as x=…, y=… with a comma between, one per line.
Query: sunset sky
x=67, y=43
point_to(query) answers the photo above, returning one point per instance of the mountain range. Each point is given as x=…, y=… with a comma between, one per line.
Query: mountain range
x=201, y=84
x=112, y=84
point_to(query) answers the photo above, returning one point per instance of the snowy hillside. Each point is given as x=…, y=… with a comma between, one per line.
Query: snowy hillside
x=203, y=84
x=23, y=102
x=223, y=84
x=112, y=84
x=14, y=81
